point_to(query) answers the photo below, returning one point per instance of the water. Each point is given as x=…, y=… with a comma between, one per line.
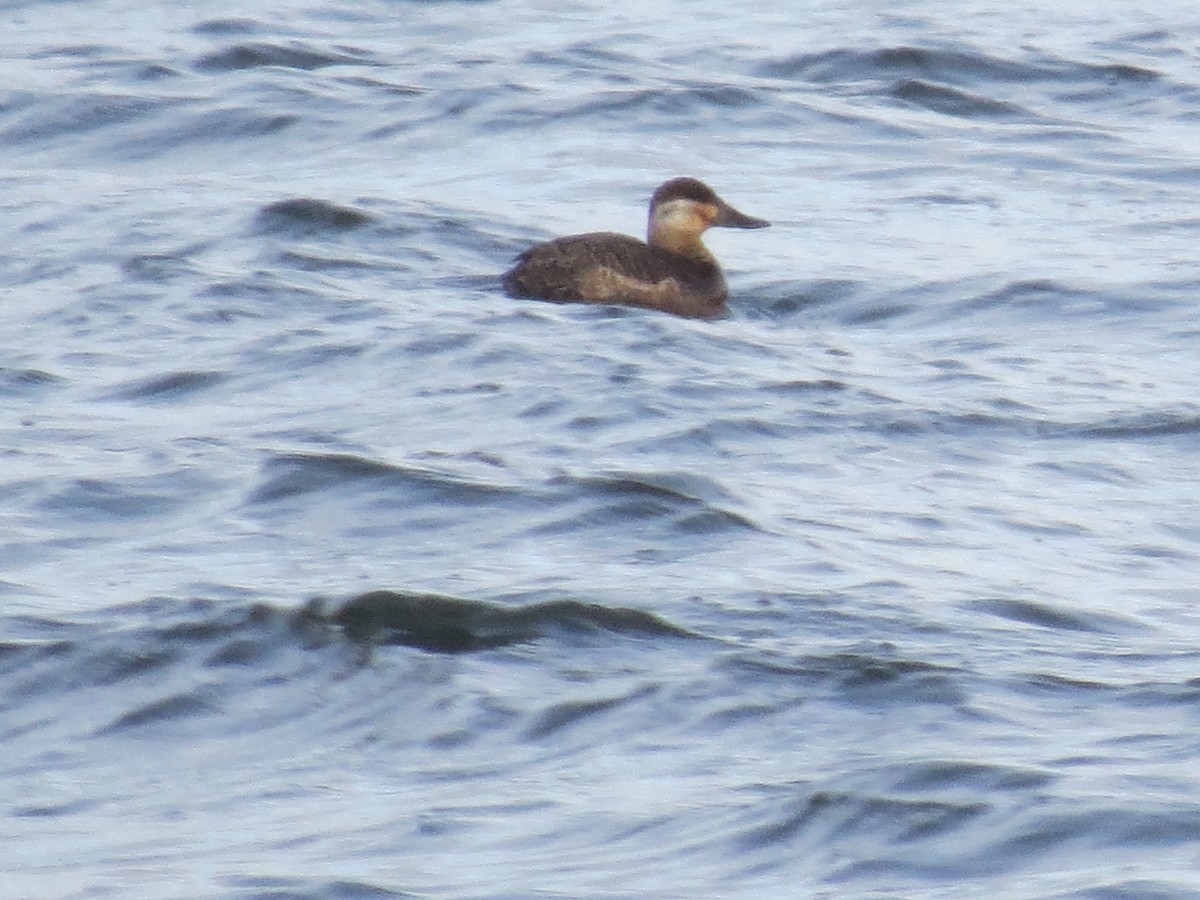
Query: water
x=330, y=572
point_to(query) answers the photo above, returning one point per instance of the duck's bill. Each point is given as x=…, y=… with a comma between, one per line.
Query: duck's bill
x=729, y=217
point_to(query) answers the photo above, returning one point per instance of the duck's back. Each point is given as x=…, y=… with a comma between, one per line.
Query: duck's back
x=604, y=267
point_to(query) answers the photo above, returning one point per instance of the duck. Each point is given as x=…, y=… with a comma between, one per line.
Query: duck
x=672, y=271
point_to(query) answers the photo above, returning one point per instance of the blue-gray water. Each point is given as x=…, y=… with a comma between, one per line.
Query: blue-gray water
x=327, y=571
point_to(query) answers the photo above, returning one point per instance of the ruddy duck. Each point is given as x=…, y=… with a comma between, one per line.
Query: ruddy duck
x=673, y=271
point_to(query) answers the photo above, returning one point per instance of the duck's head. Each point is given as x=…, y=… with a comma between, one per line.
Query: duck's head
x=684, y=208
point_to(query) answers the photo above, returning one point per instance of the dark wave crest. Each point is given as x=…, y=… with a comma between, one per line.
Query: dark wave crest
x=955, y=66
x=292, y=474
x=450, y=624
x=169, y=387
x=306, y=215
x=953, y=102
x=252, y=56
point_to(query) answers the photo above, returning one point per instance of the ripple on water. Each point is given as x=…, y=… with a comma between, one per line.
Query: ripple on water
x=294, y=56
x=266, y=888
x=952, y=102
x=861, y=678
x=691, y=502
x=1046, y=615
x=289, y=475
x=304, y=216
x=119, y=500
x=49, y=122
x=26, y=382
x=168, y=388
x=1149, y=426
x=954, y=66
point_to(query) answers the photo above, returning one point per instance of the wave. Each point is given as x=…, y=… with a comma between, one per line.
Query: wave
x=1027, y=424
x=292, y=474
x=665, y=104
x=1149, y=426
x=449, y=697
x=142, y=640
x=168, y=387
x=454, y=625
x=949, y=101
x=15, y=382
x=302, y=216
x=969, y=821
x=938, y=303
x=691, y=502
x=683, y=504
x=260, y=887
x=862, y=678
x=295, y=56
x=955, y=66
x=119, y=501
x=1050, y=616
x=937, y=79
x=37, y=119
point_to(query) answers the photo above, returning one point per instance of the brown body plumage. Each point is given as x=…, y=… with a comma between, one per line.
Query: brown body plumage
x=673, y=271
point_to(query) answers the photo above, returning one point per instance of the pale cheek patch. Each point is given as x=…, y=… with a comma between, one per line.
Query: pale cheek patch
x=676, y=214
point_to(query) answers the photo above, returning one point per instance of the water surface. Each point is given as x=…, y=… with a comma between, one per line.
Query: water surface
x=328, y=571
